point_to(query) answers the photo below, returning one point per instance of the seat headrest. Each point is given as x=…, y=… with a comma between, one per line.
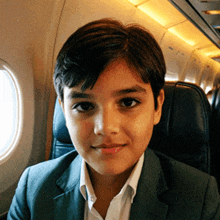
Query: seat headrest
x=183, y=132
x=216, y=100
x=60, y=132
x=215, y=134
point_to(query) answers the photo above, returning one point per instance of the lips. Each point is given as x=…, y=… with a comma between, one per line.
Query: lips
x=109, y=149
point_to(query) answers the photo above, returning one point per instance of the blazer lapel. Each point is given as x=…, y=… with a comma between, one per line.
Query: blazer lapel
x=146, y=204
x=70, y=204
x=152, y=183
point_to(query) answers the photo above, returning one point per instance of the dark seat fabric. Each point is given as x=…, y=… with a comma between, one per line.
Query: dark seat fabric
x=215, y=134
x=183, y=132
x=213, y=97
x=61, y=139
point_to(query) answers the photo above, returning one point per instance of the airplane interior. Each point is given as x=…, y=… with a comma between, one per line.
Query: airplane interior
x=32, y=123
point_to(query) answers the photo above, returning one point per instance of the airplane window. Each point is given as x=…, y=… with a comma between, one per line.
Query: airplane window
x=9, y=109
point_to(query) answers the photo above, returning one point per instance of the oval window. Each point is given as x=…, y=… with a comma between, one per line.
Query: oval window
x=9, y=109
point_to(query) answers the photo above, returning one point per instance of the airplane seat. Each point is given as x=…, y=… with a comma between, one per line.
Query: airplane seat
x=215, y=134
x=211, y=96
x=214, y=98
x=183, y=132
x=61, y=139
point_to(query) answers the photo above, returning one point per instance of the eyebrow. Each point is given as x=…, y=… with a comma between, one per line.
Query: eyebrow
x=82, y=95
x=132, y=89
x=79, y=95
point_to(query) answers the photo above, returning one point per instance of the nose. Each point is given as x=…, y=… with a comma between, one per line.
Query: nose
x=107, y=122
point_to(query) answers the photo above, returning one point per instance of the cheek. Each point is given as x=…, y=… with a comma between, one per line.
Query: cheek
x=80, y=133
x=141, y=128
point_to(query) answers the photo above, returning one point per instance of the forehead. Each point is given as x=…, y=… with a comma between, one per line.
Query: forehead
x=120, y=69
x=117, y=78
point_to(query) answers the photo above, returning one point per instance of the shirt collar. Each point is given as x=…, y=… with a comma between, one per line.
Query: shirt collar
x=86, y=188
x=134, y=176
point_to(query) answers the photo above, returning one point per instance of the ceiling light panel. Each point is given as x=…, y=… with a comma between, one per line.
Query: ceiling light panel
x=211, y=51
x=137, y=2
x=163, y=12
x=212, y=12
x=216, y=26
x=190, y=34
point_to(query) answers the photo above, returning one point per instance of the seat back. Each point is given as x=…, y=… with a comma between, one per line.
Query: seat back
x=61, y=139
x=215, y=133
x=183, y=132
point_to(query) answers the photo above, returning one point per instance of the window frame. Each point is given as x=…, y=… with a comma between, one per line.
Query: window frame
x=17, y=133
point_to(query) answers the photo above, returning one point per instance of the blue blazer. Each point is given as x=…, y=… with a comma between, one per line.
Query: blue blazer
x=167, y=189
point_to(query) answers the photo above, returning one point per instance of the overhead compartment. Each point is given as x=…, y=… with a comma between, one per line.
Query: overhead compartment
x=194, y=11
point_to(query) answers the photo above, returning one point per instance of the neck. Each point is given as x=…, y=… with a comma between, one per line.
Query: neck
x=106, y=187
x=108, y=183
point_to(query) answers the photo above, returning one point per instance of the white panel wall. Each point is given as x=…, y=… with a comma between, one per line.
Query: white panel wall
x=194, y=67
x=176, y=53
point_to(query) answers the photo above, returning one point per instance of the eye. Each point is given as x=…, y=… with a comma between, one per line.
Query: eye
x=129, y=102
x=83, y=106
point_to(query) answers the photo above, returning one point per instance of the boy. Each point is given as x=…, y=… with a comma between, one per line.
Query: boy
x=109, y=79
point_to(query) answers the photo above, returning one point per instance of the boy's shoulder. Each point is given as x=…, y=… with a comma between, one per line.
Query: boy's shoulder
x=184, y=179
x=58, y=163
x=175, y=167
x=188, y=190
x=50, y=171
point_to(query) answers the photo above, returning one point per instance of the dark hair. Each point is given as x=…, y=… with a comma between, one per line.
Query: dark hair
x=89, y=50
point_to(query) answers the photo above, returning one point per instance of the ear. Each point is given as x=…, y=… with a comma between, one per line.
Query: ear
x=158, y=111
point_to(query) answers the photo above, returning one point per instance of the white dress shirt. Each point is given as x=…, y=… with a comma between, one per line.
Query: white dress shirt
x=119, y=208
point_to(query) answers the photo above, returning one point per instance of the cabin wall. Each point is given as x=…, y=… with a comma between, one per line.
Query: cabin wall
x=27, y=33
x=176, y=54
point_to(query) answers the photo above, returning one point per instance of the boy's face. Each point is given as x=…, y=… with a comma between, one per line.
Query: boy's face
x=111, y=124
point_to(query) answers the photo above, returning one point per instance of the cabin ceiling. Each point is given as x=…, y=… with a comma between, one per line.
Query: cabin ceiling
x=205, y=15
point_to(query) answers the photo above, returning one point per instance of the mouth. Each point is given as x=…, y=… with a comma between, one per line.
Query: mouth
x=109, y=149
